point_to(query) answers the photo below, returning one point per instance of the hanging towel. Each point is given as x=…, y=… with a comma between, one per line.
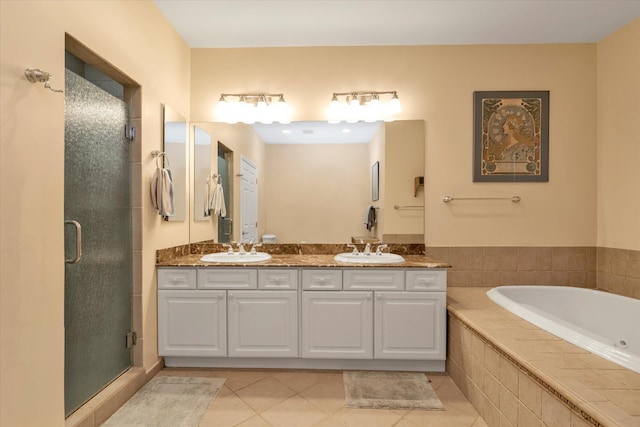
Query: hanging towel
x=217, y=205
x=370, y=218
x=162, y=192
x=208, y=192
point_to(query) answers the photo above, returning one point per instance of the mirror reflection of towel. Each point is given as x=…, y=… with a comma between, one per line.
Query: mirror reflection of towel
x=217, y=205
x=370, y=218
x=162, y=192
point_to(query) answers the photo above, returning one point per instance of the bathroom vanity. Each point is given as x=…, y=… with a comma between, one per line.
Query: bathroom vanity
x=297, y=311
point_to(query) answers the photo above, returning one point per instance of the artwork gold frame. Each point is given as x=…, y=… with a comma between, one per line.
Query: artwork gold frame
x=511, y=136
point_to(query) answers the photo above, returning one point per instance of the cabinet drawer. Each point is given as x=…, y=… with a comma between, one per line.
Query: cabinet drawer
x=373, y=279
x=227, y=278
x=321, y=280
x=426, y=280
x=278, y=279
x=176, y=278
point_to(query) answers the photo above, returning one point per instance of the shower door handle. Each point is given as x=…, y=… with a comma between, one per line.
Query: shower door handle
x=230, y=221
x=76, y=224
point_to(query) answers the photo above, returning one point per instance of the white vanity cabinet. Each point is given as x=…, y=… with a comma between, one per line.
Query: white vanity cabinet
x=333, y=318
x=374, y=317
x=192, y=323
x=263, y=323
x=337, y=325
x=410, y=325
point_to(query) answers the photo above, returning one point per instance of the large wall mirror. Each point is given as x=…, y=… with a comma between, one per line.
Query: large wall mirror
x=175, y=147
x=314, y=181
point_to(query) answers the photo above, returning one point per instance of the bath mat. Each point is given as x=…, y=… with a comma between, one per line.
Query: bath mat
x=167, y=402
x=389, y=390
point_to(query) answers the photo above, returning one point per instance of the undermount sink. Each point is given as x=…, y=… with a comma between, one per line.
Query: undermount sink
x=370, y=258
x=236, y=257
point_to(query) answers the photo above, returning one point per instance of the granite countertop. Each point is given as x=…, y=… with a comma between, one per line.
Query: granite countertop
x=305, y=260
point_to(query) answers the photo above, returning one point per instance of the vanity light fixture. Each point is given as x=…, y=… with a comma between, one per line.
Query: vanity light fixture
x=363, y=106
x=250, y=108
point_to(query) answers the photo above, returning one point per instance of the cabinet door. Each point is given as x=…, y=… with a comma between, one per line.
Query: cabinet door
x=192, y=323
x=337, y=325
x=410, y=325
x=263, y=323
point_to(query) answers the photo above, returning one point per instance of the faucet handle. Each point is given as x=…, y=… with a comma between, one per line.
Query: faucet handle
x=253, y=247
x=355, y=248
x=230, y=248
x=381, y=247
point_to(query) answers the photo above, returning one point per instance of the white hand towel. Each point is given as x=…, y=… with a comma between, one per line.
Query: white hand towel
x=162, y=192
x=217, y=202
x=207, y=197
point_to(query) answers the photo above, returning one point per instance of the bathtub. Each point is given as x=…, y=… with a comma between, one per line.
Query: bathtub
x=605, y=324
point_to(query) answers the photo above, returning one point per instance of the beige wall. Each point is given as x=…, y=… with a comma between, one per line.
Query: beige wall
x=619, y=139
x=436, y=84
x=317, y=192
x=135, y=37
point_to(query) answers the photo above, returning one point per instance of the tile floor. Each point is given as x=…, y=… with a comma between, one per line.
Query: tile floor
x=283, y=398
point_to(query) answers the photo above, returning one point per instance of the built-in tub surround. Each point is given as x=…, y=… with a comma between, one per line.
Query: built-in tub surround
x=517, y=374
x=602, y=323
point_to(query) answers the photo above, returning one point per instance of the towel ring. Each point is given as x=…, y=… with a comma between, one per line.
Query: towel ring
x=166, y=159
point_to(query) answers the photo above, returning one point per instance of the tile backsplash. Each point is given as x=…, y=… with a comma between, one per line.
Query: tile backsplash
x=608, y=269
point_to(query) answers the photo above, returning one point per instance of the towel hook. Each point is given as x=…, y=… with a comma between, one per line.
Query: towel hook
x=36, y=75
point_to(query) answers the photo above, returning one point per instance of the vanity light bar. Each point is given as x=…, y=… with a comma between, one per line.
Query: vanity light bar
x=363, y=106
x=250, y=108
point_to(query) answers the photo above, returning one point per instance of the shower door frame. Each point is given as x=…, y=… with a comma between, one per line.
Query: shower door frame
x=133, y=97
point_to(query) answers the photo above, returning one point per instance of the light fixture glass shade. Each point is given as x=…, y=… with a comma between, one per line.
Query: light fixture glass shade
x=353, y=107
x=251, y=108
x=394, y=105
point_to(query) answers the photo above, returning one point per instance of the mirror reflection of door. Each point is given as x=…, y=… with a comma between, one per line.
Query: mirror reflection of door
x=225, y=164
x=248, y=201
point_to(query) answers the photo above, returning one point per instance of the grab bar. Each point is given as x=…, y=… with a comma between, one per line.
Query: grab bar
x=514, y=199
x=408, y=207
x=76, y=224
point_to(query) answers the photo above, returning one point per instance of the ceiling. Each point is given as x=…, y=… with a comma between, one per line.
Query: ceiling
x=266, y=23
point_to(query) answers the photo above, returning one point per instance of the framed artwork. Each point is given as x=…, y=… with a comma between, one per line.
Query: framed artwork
x=511, y=136
x=375, y=181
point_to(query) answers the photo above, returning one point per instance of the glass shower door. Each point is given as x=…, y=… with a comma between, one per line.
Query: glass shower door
x=98, y=288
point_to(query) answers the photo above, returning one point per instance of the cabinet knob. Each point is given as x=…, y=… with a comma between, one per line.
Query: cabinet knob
x=378, y=296
x=230, y=296
x=368, y=297
x=221, y=295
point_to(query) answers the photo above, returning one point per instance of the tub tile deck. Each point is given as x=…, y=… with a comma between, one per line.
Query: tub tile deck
x=607, y=392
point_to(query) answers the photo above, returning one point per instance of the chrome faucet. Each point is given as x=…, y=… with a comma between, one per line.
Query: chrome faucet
x=367, y=249
x=380, y=248
x=240, y=246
